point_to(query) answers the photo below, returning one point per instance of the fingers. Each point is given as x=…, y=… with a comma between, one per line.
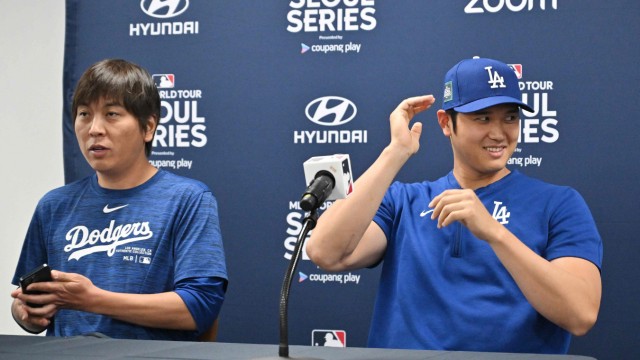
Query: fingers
x=16, y=292
x=423, y=101
x=451, y=206
x=420, y=103
x=417, y=128
x=36, y=316
x=409, y=107
x=449, y=214
x=414, y=105
x=41, y=321
x=58, y=275
x=44, y=286
x=35, y=300
x=21, y=311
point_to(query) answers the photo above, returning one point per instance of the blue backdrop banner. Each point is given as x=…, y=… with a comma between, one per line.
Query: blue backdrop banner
x=241, y=81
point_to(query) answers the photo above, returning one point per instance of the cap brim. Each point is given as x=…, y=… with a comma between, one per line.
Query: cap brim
x=491, y=101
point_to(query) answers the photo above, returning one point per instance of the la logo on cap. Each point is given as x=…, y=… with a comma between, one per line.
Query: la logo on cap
x=495, y=79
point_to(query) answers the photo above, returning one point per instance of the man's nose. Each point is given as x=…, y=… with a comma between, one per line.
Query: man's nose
x=97, y=126
x=497, y=130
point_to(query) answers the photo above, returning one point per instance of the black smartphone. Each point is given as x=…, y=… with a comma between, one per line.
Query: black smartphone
x=39, y=274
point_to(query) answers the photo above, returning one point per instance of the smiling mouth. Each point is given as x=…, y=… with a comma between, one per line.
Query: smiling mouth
x=495, y=148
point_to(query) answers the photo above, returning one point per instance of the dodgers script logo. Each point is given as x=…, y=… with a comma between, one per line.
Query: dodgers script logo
x=83, y=241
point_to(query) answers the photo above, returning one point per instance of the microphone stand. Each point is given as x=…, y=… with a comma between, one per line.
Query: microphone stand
x=309, y=223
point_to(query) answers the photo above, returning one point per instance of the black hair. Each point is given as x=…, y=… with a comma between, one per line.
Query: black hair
x=454, y=116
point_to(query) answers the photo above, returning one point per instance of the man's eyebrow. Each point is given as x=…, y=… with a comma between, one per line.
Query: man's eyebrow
x=112, y=103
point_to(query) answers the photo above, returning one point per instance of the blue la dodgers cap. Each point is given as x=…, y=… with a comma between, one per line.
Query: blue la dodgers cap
x=478, y=83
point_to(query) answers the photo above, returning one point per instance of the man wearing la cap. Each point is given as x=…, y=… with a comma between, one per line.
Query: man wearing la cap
x=484, y=258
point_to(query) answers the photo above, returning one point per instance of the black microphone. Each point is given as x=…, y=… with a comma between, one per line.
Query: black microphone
x=329, y=178
x=318, y=190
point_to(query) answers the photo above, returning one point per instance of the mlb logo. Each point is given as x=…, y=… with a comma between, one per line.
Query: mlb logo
x=144, y=260
x=331, y=338
x=348, y=179
x=517, y=68
x=164, y=81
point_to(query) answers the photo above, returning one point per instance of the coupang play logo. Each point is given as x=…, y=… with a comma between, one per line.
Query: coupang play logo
x=331, y=20
x=164, y=10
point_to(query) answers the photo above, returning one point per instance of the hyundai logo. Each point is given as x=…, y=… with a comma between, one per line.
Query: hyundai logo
x=331, y=111
x=164, y=8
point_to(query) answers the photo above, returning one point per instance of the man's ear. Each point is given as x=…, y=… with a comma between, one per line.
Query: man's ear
x=150, y=131
x=444, y=120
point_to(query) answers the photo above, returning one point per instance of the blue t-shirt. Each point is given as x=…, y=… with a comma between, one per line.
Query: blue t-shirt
x=445, y=289
x=163, y=235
